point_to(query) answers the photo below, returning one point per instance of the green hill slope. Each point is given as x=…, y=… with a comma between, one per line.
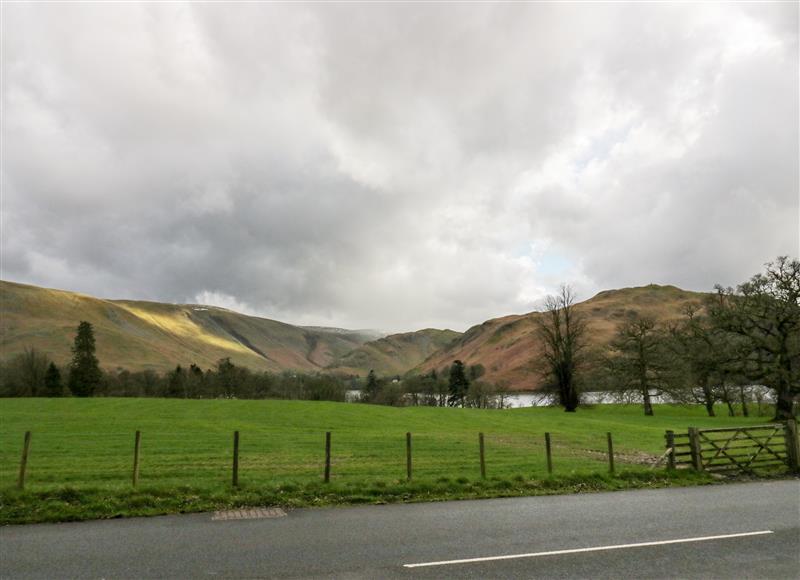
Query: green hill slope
x=394, y=354
x=150, y=335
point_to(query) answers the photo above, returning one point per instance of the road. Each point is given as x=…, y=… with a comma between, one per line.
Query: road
x=680, y=529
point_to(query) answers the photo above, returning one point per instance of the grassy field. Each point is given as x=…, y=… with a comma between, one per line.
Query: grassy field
x=81, y=453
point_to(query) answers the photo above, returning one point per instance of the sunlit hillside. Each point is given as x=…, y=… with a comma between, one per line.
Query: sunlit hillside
x=508, y=347
x=150, y=335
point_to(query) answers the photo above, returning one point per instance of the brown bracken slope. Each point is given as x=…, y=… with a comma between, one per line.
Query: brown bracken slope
x=508, y=347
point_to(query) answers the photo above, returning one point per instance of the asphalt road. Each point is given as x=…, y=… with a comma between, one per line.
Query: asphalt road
x=382, y=541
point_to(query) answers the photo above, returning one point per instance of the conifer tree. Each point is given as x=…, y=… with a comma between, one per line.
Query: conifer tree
x=459, y=385
x=84, y=372
x=176, y=383
x=52, y=381
x=372, y=387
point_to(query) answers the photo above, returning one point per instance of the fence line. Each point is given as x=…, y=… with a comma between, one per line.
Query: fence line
x=719, y=450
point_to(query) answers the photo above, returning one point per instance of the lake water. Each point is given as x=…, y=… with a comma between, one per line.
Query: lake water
x=518, y=400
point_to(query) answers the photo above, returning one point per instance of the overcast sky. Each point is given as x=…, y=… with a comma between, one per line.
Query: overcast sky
x=395, y=166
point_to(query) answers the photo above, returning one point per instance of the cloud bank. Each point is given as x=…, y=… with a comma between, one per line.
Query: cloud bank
x=395, y=166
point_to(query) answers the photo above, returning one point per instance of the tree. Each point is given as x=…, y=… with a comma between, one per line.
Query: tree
x=696, y=347
x=476, y=372
x=765, y=313
x=710, y=360
x=458, y=385
x=482, y=395
x=29, y=368
x=84, y=371
x=52, y=381
x=638, y=359
x=372, y=387
x=562, y=331
x=227, y=379
x=196, y=382
x=176, y=383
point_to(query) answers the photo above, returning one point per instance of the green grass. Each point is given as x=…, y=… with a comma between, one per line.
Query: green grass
x=81, y=453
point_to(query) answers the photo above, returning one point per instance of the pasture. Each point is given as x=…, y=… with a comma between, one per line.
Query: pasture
x=85, y=446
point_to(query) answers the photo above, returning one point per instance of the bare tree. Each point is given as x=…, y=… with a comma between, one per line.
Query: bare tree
x=765, y=313
x=638, y=358
x=562, y=331
x=24, y=374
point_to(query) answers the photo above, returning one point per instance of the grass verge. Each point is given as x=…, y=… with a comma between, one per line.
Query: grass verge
x=74, y=504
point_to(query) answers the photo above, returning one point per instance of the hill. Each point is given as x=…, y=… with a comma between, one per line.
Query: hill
x=394, y=354
x=508, y=346
x=140, y=335
x=150, y=335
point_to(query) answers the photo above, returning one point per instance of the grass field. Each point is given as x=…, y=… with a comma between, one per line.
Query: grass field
x=81, y=452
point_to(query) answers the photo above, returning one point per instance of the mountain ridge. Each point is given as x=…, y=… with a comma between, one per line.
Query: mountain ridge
x=140, y=335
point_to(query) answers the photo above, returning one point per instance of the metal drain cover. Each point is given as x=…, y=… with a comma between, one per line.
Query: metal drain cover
x=249, y=514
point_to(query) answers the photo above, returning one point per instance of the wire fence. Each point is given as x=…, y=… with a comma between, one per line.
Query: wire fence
x=201, y=457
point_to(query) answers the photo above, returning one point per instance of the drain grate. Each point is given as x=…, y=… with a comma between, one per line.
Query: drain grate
x=249, y=514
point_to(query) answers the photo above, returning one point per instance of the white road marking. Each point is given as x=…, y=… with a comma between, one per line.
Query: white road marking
x=581, y=550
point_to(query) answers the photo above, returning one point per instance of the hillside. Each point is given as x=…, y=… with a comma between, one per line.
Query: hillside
x=508, y=346
x=394, y=354
x=150, y=335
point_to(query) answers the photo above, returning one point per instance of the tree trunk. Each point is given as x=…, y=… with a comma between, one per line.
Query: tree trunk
x=570, y=398
x=783, y=404
x=708, y=397
x=743, y=397
x=644, y=387
x=726, y=397
x=648, y=406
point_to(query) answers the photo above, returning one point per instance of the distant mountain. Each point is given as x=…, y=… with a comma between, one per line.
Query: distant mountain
x=394, y=354
x=507, y=347
x=365, y=332
x=151, y=335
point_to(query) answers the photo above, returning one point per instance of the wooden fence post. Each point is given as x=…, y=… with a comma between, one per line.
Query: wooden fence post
x=136, y=447
x=483, y=458
x=235, y=459
x=670, y=437
x=694, y=446
x=327, y=456
x=549, y=453
x=610, y=454
x=23, y=464
x=792, y=446
x=408, y=456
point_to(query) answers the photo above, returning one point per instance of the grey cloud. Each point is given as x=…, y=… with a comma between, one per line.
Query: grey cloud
x=395, y=166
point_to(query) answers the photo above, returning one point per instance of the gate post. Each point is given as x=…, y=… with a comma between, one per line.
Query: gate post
x=670, y=437
x=694, y=446
x=792, y=446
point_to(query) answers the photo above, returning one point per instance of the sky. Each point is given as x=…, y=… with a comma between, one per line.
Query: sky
x=395, y=166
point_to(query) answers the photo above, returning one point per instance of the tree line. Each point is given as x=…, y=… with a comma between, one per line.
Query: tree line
x=457, y=385
x=720, y=348
x=33, y=374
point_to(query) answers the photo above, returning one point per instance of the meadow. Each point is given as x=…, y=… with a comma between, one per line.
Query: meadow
x=81, y=454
